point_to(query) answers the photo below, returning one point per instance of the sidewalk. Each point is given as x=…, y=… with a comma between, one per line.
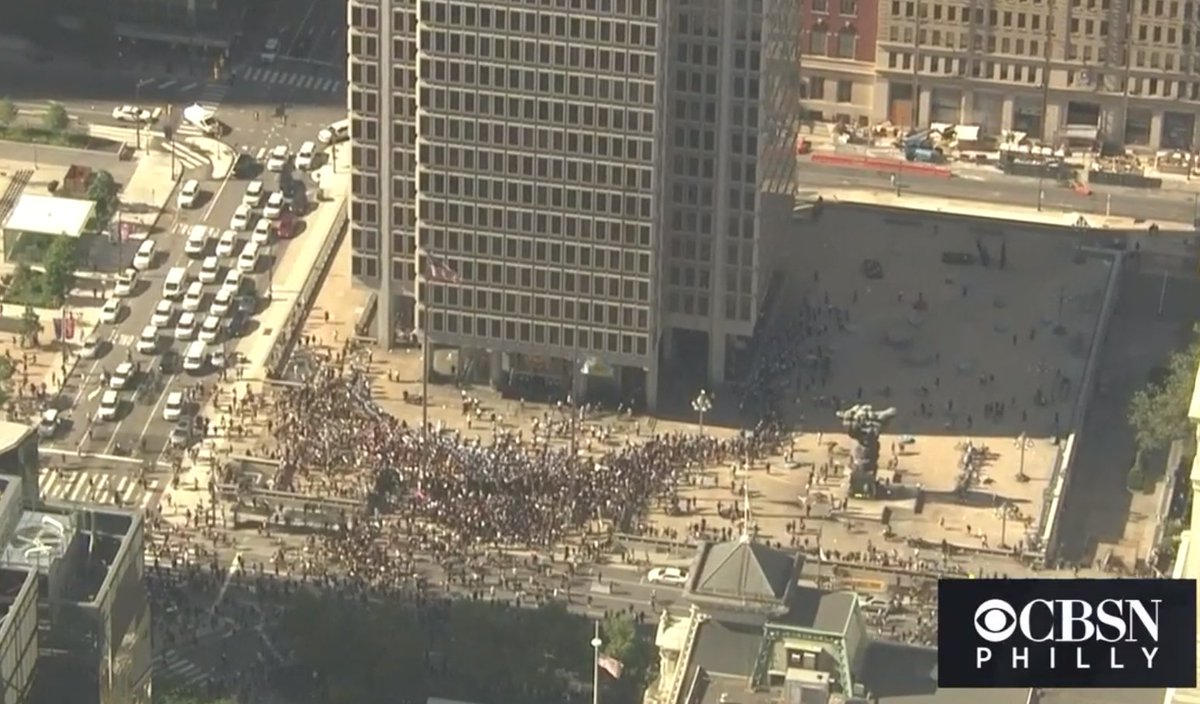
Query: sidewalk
x=1173, y=237
x=148, y=193
x=294, y=270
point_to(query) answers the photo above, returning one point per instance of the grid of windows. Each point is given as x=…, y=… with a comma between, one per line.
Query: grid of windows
x=537, y=172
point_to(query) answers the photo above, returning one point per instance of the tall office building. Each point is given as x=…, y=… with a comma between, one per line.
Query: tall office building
x=1119, y=70
x=527, y=172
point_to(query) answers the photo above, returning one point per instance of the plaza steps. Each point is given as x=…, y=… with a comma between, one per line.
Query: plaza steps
x=19, y=180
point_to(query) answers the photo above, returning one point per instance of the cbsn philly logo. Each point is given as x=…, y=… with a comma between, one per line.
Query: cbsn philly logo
x=1129, y=627
x=1066, y=633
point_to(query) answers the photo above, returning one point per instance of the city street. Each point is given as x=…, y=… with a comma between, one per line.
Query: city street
x=995, y=187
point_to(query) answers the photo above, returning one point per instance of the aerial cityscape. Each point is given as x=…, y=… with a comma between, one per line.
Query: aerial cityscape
x=610, y=351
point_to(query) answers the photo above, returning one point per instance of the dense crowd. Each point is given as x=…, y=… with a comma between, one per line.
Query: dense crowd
x=511, y=491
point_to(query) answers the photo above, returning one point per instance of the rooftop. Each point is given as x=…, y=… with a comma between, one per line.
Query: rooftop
x=744, y=571
x=50, y=215
x=13, y=433
x=819, y=610
x=897, y=673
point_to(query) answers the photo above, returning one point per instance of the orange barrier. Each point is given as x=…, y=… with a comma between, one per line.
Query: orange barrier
x=880, y=164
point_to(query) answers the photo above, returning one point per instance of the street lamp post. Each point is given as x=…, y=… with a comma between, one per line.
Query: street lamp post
x=596, y=643
x=1022, y=443
x=702, y=404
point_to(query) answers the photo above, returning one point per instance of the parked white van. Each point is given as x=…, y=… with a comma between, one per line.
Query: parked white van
x=248, y=259
x=306, y=156
x=175, y=283
x=337, y=132
x=195, y=356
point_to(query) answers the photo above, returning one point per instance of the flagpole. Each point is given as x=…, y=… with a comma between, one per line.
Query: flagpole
x=596, y=643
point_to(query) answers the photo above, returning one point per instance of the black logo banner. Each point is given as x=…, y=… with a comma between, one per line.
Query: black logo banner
x=1099, y=633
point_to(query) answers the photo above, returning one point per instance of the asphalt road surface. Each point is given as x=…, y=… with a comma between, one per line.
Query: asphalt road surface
x=979, y=185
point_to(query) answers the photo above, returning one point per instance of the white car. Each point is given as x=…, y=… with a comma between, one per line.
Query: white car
x=227, y=246
x=222, y=302
x=270, y=51
x=163, y=313
x=306, y=156
x=132, y=113
x=111, y=310
x=210, y=328
x=262, y=232
x=123, y=376
x=109, y=402
x=90, y=348
x=126, y=280
x=197, y=241
x=185, y=328
x=189, y=193
x=673, y=576
x=194, y=297
x=278, y=158
x=145, y=255
x=173, y=408
x=254, y=194
x=274, y=209
x=148, y=341
x=210, y=268
x=241, y=218
x=233, y=281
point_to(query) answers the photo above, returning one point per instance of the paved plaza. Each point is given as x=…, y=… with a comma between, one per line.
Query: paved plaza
x=958, y=340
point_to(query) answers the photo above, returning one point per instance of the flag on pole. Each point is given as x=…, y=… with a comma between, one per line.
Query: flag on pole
x=437, y=270
x=611, y=665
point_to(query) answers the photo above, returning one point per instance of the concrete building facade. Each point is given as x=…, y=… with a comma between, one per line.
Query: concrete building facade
x=582, y=176
x=1120, y=71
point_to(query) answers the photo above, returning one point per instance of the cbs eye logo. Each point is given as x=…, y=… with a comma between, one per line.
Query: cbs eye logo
x=995, y=620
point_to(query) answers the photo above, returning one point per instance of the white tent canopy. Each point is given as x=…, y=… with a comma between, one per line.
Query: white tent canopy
x=50, y=215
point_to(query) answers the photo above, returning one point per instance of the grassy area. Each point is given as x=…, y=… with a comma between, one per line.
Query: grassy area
x=29, y=288
x=30, y=248
x=38, y=135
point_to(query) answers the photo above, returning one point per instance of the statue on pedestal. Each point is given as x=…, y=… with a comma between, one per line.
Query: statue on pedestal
x=864, y=424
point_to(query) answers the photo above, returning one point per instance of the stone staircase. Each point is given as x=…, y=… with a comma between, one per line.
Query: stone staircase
x=19, y=180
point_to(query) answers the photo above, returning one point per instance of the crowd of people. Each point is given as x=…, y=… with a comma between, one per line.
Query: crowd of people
x=510, y=491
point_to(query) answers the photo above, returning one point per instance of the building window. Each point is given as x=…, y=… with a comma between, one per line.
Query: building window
x=816, y=88
x=849, y=8
x=845, y=44
x=818, y=41
x=845, y=91
x=820, y=5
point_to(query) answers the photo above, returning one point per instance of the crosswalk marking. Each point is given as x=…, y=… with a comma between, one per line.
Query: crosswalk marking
x=166, y=84
x=212, y=95
x=99, y=488
x=125, y=340
x=177, y=668
x=189, y=86
x=262, y=152
x=185, y=154
x=303, y=81
x=183, y=229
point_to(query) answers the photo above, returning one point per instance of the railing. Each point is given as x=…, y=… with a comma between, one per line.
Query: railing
x=685, y=655
x=300, y=307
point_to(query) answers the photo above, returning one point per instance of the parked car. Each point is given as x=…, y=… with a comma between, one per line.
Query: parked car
x=111, y=310
x=278, y=158
x=132, y=113
x=144, y=258
x=126, y=281
x=673, y=576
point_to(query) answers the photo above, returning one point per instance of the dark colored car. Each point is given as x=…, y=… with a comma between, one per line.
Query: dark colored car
x=236, y=325
x=245, y=167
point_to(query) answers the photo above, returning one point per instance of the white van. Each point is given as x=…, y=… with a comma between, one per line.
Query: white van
x=197, y=240
x=306, y=155
x=337, y=132
x=194, y=297
x=203, y=118
x=248, y=259
x=175, y=282
x=195, y=356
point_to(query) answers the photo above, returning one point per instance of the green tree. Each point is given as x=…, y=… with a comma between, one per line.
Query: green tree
x=102, y=190
x=619, y=634
x=31, y=327
x=60, y=262
x=56, y=118
x=8, y=112
x=1158, y=413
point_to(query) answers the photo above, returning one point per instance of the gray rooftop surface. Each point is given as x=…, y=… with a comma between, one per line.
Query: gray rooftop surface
x=898, y=673
x=744, y=570
x=726, y=648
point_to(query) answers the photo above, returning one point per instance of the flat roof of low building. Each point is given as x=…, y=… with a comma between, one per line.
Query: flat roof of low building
x=50, y=215
x=11, y=434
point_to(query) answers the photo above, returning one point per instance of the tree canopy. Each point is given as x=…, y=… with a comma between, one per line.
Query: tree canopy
x=56, y=118
x=8, y=112
x=1158, y=413
x=351, y=651
x=60, y=262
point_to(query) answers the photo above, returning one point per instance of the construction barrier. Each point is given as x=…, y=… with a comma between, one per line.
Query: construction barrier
x=876, y=163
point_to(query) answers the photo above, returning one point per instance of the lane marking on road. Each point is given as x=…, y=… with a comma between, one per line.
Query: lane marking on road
x=166, y=84
x=90, y=455
x=189, y=86
x=154, y=411
x=145, y=82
